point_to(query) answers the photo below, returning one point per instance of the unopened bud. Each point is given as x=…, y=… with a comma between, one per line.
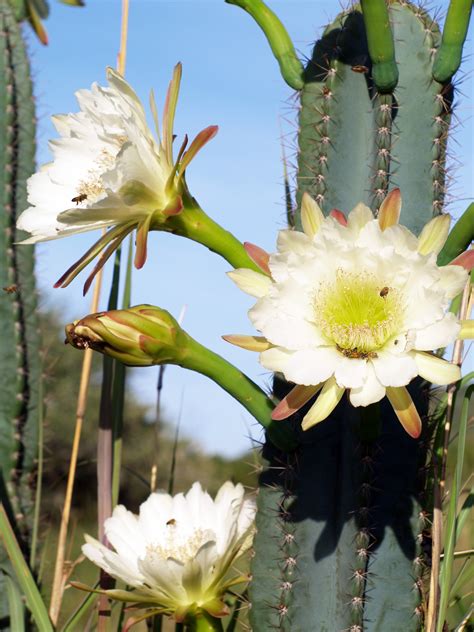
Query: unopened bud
x=140, y=336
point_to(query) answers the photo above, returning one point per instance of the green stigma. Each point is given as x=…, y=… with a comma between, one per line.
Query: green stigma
x=358, y=313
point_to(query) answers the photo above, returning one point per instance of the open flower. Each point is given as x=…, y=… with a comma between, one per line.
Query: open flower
x=110, y=172
x=358, y=304
x=177, y=554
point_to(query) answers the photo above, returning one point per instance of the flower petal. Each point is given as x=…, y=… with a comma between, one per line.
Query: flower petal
x=405, y=410
x=275, y=359
x=434, y=235
x=311, y=215
x=453, y=278
x=327, y=401
x=465, y=259
x=359, y=217
x=370, y=392
x=394, y=370
x=296, y=398
x=437, y=370
x=389, y=212
x=439, y=334
x=350, y=372
x=251, y=282
x=338, y=216
x=258, y=256
x=250, y=343
x=311, y=366
x=467, y=329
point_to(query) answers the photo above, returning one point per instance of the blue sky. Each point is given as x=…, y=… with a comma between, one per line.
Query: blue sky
x=229, y=79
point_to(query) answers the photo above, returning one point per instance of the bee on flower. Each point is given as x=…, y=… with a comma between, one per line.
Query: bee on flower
x=356, y=304
x=110, y=172
x=177, y=555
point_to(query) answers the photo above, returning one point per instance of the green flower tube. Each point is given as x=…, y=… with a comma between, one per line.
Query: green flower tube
x=381, y=45
x=448, y=58
x=146, y=335
x=280, y=42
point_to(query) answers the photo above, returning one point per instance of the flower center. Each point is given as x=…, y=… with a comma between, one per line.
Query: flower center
x=358, y=313
x=179, y=546
x=92, y=187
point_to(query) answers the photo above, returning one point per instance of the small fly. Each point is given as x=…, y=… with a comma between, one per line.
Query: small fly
x=79, y=198
x=359, y=68
x=11, y=289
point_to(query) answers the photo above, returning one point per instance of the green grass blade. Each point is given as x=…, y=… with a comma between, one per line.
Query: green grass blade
x=451, y=520
x=465, y=576
x=39, y=483
x=23, y=574
x=72, y=624
x=15, y=605
x=464, y=513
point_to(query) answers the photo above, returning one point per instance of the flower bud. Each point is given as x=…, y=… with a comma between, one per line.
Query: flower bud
x=140, y=336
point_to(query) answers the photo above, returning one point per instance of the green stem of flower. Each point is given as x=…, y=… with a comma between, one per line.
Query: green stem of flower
x=196, y=225
x=252, y=397
x=205, y=623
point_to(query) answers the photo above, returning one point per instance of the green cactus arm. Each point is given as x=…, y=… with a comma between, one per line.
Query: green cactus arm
x=459, y=238
x=280, y=42
x=381, y=45
x=448, y=58
x=195, y=224
x=202, y=360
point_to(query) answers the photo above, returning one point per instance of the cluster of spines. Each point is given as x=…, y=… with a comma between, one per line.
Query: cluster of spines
x=363, y=539
x=383, y=105
x=279, y=516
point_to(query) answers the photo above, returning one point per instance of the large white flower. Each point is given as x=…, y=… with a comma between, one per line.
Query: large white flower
x=355, y=304
x=176, y=555
x=109, y=171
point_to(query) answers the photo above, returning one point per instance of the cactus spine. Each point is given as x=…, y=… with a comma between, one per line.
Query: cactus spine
x=19, y=349
x=339, y=542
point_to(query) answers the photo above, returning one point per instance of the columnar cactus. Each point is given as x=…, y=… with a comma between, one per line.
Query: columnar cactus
x=340, y=522
x=19, y=348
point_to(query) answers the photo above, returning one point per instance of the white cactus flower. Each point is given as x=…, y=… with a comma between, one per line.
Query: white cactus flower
x=177, y=554
x=355, y=304
x=109, y=171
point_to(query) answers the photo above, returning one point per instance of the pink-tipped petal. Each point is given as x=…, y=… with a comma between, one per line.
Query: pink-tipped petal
x=339, y=216
x=405, y=410
x=327, y=401
x=87, y=257
x=170, y=110
x=198, y=143
x=250, y=343
x=296, y=398
x=467, y=330
x=434, y=235
x=104, y=257
x=174, y=208
x=389, y=212
x=141, y=242
x=259, y=256
x=465, y=260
